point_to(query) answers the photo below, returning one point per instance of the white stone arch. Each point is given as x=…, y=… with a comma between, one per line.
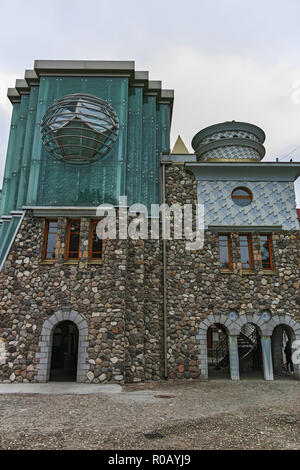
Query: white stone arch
x=288, y=321
x=233, y=328
x=266, y=328
x=45, y=344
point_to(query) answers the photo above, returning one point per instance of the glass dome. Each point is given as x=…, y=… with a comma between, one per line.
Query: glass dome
x=79, y=128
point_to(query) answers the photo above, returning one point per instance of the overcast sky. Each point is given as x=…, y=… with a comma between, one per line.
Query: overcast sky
x=225, y=59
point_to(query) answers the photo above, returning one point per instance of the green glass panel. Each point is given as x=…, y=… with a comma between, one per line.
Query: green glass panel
x=33, y=177
x=96, y=183
x=149, y=151
x=27, y=148
x=12, y=143
x=134, y=166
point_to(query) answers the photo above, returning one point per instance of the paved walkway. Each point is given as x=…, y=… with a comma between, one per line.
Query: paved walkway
x=60, y=388
x=214, y=414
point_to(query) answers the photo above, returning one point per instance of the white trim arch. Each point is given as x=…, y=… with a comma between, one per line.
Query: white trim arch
x=45, y=344
x=267, y=327
x=286, y=320
x=234, y=327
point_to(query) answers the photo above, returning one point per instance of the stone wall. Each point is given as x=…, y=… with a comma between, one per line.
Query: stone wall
x=108, y=294
x=197, y=287
x=144, y=323
x=121, y=297
x=153, y=310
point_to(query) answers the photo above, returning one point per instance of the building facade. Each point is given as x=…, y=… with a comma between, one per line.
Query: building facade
x=132, y=309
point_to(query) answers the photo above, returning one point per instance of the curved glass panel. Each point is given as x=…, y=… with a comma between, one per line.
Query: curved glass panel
x=79, y=128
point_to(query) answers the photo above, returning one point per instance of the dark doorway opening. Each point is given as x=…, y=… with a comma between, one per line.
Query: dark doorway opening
x=218, y=352
x=282, y=334
x=250, y=352
x=64, y=352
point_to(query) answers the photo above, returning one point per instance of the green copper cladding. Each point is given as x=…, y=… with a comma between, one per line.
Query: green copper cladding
x=134, y=165
x=34, y=178
x=27, y=149
x=11, y=152
x=102, y=181
x=149, y=149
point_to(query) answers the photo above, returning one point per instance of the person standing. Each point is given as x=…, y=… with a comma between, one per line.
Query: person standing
x=288, y=356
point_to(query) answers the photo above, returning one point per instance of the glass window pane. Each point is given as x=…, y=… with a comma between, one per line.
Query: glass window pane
x=240, y=192
x=242, y=202
x=74, y=240
x=50, y=241
x=241, y=196
x=96, y=243
x=265, y=252
x=245, y=251
x=224, y=251
x=52, y=226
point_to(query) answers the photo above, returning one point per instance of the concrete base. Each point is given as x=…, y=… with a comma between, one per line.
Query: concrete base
x=60, y=388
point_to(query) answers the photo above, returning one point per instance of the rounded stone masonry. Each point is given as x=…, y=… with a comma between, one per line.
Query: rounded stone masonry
x=230, y=141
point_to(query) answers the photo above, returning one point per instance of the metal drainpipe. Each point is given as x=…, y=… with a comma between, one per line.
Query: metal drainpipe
x=163, y=194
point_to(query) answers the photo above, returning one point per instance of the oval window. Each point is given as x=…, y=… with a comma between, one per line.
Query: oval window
x=241, y=196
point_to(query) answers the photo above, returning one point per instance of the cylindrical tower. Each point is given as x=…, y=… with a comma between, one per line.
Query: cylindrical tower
x=230, y=141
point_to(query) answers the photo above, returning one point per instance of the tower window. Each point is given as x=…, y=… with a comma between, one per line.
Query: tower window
x=246, y=252
x=266, y=251
x=241, y=196
x=225, y=253
x=73, y=240
x=96, y=244
x=50, y=239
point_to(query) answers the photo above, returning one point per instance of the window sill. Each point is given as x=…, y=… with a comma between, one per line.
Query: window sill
x=95, y=261
x=72, y=261
x=226, y=271
x=248, y=272
x=48, y=262
x=268, y=272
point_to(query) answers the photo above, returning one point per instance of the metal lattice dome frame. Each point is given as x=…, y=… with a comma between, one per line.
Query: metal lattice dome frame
x=79, y=128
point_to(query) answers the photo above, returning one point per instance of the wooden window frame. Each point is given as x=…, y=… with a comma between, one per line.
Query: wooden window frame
x=91, y=258
x=250, y=250
x=46, y=233
x=68, y=240
x=228, y=249
x=269, y=238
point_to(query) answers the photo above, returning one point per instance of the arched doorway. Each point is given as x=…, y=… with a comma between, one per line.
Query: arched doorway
x=250, y=352
x=218, y=352
x=281, y=335
x=64, y=352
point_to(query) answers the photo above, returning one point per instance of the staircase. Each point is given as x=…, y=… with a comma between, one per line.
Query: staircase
x=247, y=342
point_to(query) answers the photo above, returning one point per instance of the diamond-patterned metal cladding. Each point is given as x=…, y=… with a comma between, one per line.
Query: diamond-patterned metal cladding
x=264, y=210
x=79, y=128
x=229, y=141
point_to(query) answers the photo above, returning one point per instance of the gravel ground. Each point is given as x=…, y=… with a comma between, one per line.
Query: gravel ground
x=218, y=414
